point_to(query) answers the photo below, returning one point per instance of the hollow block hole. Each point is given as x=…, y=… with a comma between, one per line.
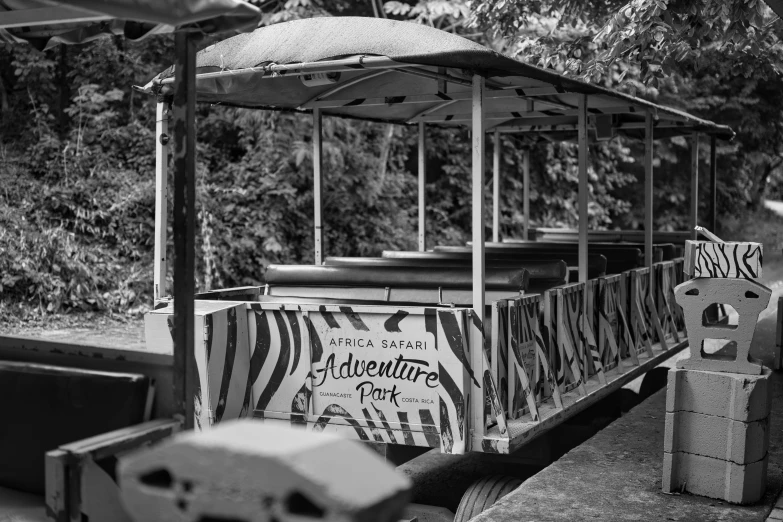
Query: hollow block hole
x=720, y=316
x=299, y=504
x=159, y=478
x=721, y=349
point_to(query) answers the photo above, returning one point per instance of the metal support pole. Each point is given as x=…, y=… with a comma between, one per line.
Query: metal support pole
x=476, y=338
x=422, y=187
x=526, y=194
x=184, y=111
x=583, y=188
x=496, y=188
x=318, y=179
x=526, y=186
x=713, y=186
x=161, y=201
x=648, y=191
x=694, y=184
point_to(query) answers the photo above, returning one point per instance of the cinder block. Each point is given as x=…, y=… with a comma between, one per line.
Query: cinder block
x=748, y=298
x=716, y=437
x=740, y=397
x=251, y=471
x=729, y=259
x=714, y=478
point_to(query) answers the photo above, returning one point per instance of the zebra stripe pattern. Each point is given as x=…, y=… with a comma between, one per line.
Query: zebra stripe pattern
x=735, y=260
x=222, y=359
x=289, y=388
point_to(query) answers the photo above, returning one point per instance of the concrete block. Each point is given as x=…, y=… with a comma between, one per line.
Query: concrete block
x=729, y=259
x=740, y=397
x=250, y=471
x=748, y=298
x=714, y=478
x=716, y=437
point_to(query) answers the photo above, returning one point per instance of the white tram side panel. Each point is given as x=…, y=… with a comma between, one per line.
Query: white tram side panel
x=377, y=374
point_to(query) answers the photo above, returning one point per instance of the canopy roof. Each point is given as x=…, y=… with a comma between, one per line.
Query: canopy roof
x=405, y=72
x=44, y=23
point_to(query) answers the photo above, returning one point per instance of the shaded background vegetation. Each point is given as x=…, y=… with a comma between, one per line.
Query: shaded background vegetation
x=77, y=151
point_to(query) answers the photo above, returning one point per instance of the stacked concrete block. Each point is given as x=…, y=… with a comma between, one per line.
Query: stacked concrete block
x=717, y=408
x=248, y=471
x=717, y=434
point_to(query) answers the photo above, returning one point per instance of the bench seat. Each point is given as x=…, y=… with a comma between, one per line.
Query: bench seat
x=46, y=406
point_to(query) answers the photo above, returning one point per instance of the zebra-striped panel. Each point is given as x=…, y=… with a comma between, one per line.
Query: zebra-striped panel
x=734, y=260
x=610, y=309
x=498, y=355
x=375, y=373
x=570, y=343
x=665, y=304
x=641, y=328
x=222, y=356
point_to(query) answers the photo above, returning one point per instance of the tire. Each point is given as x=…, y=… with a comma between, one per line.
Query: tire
x=484, y=493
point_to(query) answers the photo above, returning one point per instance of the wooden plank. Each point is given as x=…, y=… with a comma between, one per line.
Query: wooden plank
x=185, y=373
x=583, y=188
x=422, y=187
x=56, y=485
x=694, y=221
x=161, y=195
x=476, y=417
x=318, y=180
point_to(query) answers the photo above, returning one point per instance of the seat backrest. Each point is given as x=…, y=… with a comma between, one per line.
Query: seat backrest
x=497, y=278
x=537, y=268
x=47, y=406
x=393, y=284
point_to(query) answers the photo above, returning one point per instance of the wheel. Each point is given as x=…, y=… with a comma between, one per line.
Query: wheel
x=484, y=493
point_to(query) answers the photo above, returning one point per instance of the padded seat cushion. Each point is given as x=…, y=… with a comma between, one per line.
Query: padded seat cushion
x=392, y=276
x=538, y=269
x=45, y=407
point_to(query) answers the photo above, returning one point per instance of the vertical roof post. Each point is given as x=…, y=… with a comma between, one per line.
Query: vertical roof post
x=318, y=179
x=694, y=217
x=526, y=194
x=161, y=207
x=713, y=186
x=476, y=334
x=648, y=190
x=583, y=187
x=184, y=110
x=496, y=187
x=526, y=185
x=422, y=187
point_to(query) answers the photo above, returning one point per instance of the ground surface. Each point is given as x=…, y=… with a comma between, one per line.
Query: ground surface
x=616, y=475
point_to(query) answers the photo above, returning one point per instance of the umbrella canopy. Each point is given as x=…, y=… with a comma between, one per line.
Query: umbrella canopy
x=402, y=72
x=43, y=23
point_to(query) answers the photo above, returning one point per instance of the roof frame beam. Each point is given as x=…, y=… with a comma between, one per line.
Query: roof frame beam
x=49, y=15
x=511, y=92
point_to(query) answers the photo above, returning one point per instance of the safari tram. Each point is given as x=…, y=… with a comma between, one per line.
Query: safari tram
x=480, y=347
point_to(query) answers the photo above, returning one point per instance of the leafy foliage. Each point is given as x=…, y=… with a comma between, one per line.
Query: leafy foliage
x=77, y=148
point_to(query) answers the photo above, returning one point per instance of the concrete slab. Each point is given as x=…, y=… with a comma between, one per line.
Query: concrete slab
x=616, y=475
